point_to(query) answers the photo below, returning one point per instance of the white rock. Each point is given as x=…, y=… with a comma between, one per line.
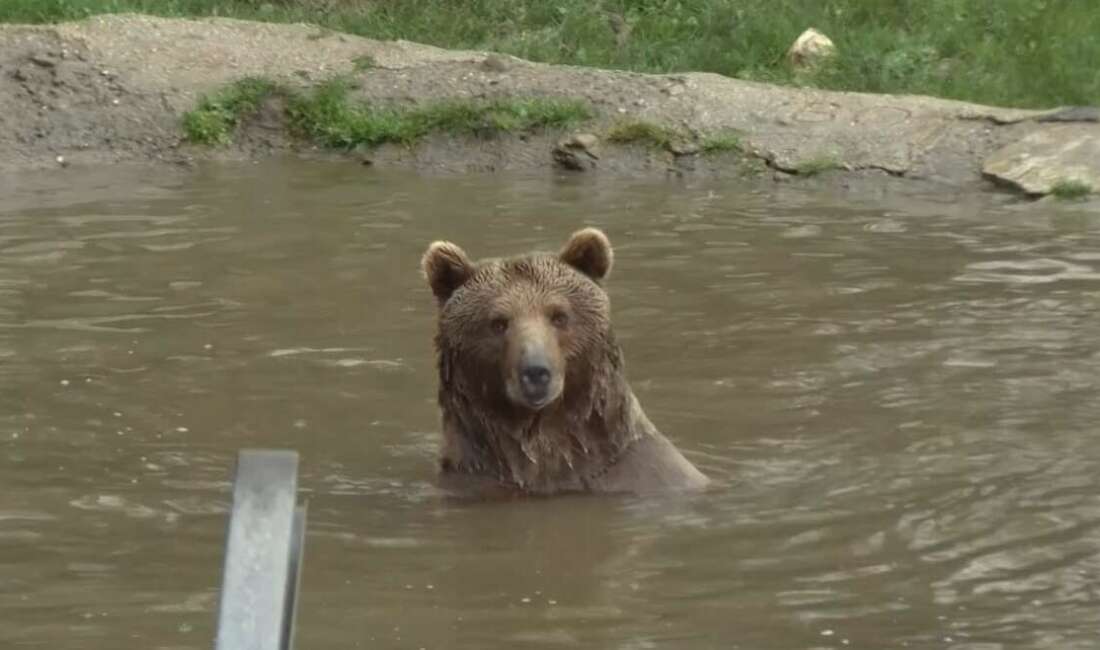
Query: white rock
x=809, y=48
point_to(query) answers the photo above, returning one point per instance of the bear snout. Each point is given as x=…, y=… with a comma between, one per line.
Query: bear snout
x=535, y=377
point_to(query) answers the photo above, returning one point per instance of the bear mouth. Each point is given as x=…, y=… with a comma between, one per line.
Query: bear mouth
x=533, y=398
x=539, y=403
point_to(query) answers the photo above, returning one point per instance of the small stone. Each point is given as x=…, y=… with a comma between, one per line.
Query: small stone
x=674, y=90
x=570, y=160
x=494, y=63
x=586, y=141
x=42, y=60
x=1048, y=156
x=114, y=102
x=577, y=152
x=683, y=148
x=810, y=48
x=61, y=161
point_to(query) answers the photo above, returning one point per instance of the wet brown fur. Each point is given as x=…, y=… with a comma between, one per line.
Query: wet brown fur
x=595, y=436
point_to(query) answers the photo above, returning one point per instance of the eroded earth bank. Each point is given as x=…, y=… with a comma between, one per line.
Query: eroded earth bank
x=115, y=89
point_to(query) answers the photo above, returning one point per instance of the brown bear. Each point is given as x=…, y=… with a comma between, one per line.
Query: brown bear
x=532, y=386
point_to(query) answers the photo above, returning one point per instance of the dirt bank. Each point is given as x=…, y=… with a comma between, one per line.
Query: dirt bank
x=114, y=88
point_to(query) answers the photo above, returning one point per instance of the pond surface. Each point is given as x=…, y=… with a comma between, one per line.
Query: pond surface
x=896, y=397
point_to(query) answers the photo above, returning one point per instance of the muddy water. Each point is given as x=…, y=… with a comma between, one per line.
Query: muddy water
x=897, y=397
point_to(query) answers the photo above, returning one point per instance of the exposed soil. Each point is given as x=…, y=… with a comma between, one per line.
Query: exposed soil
x=113, y=88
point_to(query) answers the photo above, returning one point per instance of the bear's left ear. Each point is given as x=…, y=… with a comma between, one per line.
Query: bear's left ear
x=589, y=251
x=446, y=267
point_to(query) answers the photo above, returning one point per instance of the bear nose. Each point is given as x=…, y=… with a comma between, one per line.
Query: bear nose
x=535, y=376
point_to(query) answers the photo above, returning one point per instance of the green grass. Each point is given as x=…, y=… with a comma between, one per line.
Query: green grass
x=662, y=137
x=639, y=132
x=817, y=165
x=1036, y=53
x=364, y=62
x=216, y=116
x=329, y=115
x=1071, y=189
x=721, y=141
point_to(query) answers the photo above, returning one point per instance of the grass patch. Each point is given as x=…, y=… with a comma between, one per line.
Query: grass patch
x=1035, y=53
x=1070, y=189
x=818, y=165
x=639, y=132
x=663, y=137
x=721, y=142
x=329, y=115
x=364, y=62
x=216, y=116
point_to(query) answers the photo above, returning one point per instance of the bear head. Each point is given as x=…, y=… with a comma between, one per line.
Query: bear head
x=519, y=334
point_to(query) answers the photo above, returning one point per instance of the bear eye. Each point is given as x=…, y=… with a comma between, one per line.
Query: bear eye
x=559, y=319
x=499, y=325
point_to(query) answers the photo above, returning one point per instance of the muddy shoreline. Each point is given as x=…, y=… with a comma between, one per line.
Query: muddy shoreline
x=114, y=88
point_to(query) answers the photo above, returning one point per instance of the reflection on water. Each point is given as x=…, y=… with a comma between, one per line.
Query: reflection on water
x=897, y=399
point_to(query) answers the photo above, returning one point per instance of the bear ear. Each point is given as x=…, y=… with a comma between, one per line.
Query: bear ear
x=446, y=267
x=589, y=251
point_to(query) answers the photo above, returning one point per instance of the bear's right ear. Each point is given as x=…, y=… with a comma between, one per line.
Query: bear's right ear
x=446, y=267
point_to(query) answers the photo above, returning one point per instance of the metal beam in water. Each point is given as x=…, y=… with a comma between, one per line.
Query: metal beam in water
x=263, y=554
